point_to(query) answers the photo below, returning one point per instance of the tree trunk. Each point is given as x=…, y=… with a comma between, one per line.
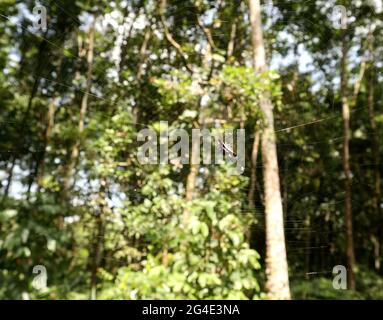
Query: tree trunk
x=50, y=121
x=285, y=189
x=191, y=180
x=98, y=240
x=277, y=284
x=307, y=245
x=230, y=46
x=375, y=146
x=346, y=167
x=33, y=169
x=47, y=138
x=253, y=177
x=22, y=135
x=376, y=156
x=74, y=152
x=140, y=71
x=9, y=179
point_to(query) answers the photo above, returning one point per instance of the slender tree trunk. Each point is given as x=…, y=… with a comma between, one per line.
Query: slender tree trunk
x=194, y=163
x=307, y=245
x=376, y=248
x=143, y=54
x=375, y=146
x=125, y=44
x=50, y=120
x=376, y=156
x=140, y=71
x=97, y=256
x=74, y=152
x=285, y=188
x=191, y=180
x=33, y=169
x=33, y=164
x=47, y=138
x=277, y=284
x=253, y=177
x=98, y=239
x=9, y=179
x=346, y=167
x=230, y=46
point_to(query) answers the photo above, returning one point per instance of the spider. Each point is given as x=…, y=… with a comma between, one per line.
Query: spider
x=227, y=149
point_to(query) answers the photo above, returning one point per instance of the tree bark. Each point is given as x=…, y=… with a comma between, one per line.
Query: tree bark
x=277, y=284
x=346, y=167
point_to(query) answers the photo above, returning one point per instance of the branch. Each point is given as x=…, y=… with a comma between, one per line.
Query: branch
x=170, y=38
x=230, y=46
x=206, y=31
x=359, y=80
x=362, y=70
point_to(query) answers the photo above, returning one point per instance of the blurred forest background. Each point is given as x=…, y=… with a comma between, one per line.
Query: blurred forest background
x=75, y=200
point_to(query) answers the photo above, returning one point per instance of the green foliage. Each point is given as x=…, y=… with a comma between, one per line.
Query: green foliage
x=75, y=199
x=320, y=289
x=369, y=286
